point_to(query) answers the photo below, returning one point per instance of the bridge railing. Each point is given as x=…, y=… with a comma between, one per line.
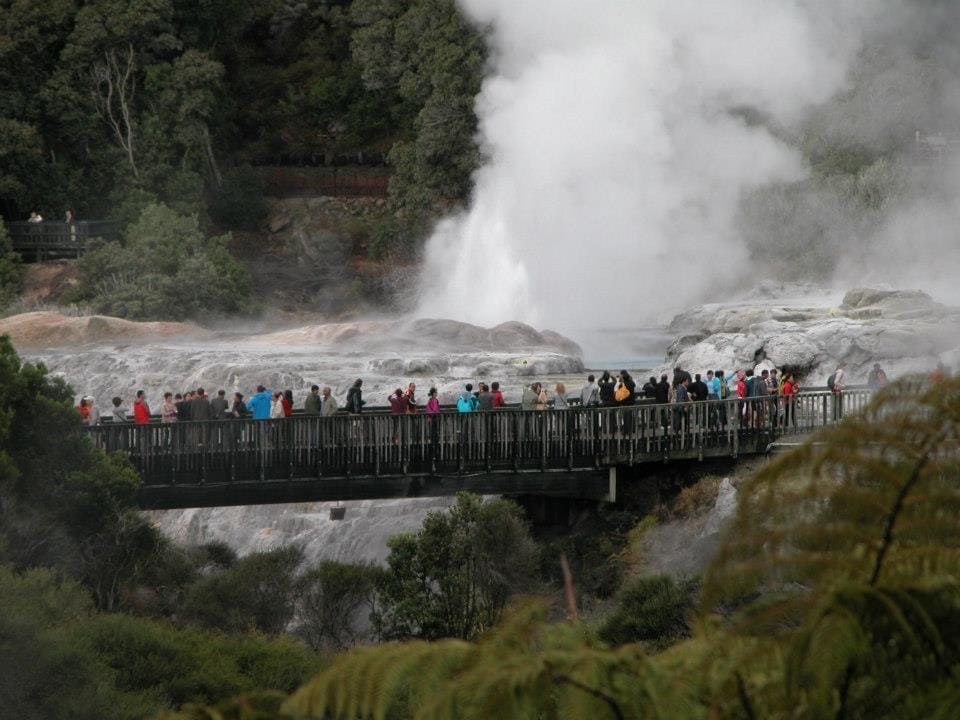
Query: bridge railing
x=500, y=441
x=42, y=240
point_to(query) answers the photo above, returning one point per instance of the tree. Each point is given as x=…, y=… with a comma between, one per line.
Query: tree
x=165, y=254
x=258, y=592
x=11, y=271
x=453, y=578
x=335, y=601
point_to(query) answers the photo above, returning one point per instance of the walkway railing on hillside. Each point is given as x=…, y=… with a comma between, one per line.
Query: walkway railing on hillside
x=344, y=446
x=49, y=240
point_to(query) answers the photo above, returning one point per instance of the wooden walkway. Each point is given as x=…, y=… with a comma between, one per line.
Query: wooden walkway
x=571, y=453
x=40, y=241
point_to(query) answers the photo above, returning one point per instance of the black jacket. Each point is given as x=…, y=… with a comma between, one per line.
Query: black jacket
x=355, y=399
x=663, y=392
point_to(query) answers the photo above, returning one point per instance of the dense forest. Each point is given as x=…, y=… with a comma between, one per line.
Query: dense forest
x=106, y=106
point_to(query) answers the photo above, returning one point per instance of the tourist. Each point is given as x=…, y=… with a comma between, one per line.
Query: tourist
x=467, y=402
x=663, y=390
x=590, y=393
x=84, y=411
x=700, y=389
x=141, y=411
x=276, y=406
x=485, y=398
x=260, y=405
x=681, y=400
x=543, y=400
x=630, y=386
x=790, y=389
x=410, y=397
x=68, y=217
x=183, y=405
x=312, y=405
x=836, y=383
x=200, y=409
x=497, y=395
x=355, y=400
x=529, y=397
x=120, y=413
x=94, y=416
x=239, y=409
x=286, y=402
x=713, y=385
x=433, y=403
x=876, y=378
x=168, y=410
x=398, y=406
x=607, y=389
x=560, y=397
x=35, y=217
x=328, y=405
x=219, y=405
x=649, y=389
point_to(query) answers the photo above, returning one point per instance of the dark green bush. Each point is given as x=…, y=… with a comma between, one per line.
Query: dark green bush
x=651, y=609
x=240, y=202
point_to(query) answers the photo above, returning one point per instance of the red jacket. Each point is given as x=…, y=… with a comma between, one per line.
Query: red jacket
x=141, y=412
x=287, y=406
x=497, y=399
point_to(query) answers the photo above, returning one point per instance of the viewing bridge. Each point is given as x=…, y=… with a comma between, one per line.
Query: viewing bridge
x=37, y=241
x=574, y=453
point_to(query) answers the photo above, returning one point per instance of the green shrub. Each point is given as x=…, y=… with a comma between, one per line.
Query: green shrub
x=652, y=609
x=167, y=269
x=257, y=592
x=11, y=271
x=334, y=603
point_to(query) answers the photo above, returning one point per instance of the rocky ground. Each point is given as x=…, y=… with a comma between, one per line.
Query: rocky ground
x=903, y=330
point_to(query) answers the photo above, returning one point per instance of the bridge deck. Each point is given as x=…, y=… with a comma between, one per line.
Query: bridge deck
x=567, y=452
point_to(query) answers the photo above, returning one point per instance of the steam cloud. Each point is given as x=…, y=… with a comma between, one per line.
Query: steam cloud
x=622, y=138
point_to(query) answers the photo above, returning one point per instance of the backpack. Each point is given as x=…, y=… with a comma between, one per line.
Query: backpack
x=831, y=381
x=464, y=403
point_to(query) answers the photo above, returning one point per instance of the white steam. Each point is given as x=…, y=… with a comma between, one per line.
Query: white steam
x=620, y=137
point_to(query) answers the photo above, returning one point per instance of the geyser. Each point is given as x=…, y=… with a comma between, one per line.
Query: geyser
x=620, y=137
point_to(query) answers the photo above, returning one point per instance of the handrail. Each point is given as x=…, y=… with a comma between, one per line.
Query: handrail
x=46, y=238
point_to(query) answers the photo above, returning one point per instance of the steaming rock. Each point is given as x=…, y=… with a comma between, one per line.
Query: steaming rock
x=904, y=330
x=52, y=329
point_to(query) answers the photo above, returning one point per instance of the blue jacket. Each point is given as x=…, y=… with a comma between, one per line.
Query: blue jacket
x=259, y=405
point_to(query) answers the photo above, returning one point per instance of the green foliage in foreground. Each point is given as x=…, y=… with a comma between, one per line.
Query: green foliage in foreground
x=835, y=595
x=63, y=660
x=167, y=269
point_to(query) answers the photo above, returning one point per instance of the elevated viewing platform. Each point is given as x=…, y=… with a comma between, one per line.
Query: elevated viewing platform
x=38, y=241
x=566, y=453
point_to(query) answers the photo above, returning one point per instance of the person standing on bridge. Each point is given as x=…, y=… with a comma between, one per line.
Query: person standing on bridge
x=328, y=405
x=168, y=411
x=259, y=405
x=467, y=402
x=355, y=401
x=607, y=389
x=877, y=378
x=219, y=405
x=410, y=398
x=313, y=403
x=790, y=389
x=590, y=394
x=433, y=402
x=485, y=398
x=497, y=395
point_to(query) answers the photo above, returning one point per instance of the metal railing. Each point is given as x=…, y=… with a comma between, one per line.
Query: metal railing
x=244, y=450
x=47, y=240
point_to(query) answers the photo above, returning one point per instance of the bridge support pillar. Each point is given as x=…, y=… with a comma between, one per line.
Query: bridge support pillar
x=611, y=484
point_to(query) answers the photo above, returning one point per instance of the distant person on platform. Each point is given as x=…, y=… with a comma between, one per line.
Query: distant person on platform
x=313, y=404
x=467, y=402
x=276, y=405
x=410, y=398
x=355, y=400
x=529, y=398
x=35, y=217
x=141, y=411
x=168, y=409
x=608, y=388
x=497, y=395
x=485, y=398
x=219, y=405
x=663, y=390
x=259, y=405
x=328, y=404
x=200, y=408
x=398, y=406
x=120, y=413
x=649, y=389
x=560, y=397
x=239, y=408
x=590, y=394
x=876, y=378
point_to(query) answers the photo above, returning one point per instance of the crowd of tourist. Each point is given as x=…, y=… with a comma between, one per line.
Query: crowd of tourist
x=609, y=390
